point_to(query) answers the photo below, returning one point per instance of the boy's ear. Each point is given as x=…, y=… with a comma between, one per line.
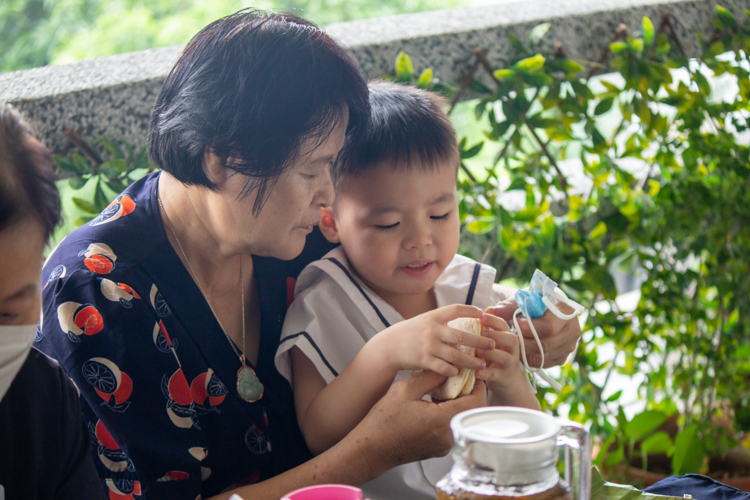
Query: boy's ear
x=328, y=225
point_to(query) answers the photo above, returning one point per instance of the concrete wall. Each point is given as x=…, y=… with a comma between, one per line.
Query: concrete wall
x=112, y=96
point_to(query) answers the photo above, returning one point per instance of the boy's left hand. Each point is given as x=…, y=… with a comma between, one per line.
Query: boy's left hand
x=503, y=371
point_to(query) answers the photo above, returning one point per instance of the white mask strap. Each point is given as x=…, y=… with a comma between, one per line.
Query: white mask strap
x=534, y=371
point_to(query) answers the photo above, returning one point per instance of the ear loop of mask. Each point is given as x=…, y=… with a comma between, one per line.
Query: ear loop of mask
x=577, y=309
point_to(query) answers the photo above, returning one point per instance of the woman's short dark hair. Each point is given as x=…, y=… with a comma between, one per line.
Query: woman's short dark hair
x=27, y=175
x=252, y=87
x=407, y=126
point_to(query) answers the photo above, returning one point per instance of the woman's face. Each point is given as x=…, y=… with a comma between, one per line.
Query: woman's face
x=21, y=257
x=292, y=208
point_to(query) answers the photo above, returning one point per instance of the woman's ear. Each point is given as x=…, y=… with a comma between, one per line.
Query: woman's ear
x=214, y=165
x=328, y=225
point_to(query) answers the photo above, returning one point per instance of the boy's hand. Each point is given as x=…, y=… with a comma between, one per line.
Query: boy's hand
x=503, y=372
x=426, y=343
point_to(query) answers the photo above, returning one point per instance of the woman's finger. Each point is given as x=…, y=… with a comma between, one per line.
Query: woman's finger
x=459, y=337
x=494, y=322
x=458, y=358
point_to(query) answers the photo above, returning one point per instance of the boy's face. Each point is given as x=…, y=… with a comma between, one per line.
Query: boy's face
x=398, y=227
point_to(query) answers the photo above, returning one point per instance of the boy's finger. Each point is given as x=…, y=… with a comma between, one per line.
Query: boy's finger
x=455, y=311
x=458, y=358
x=503, y=340
x=460, y=337
x=443, y=368
x=501, y=360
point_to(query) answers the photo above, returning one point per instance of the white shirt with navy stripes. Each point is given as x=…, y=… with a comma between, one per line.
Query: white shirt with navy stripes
x=334, y=314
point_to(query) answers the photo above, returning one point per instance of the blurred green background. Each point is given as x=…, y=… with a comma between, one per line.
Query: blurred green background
x=41, y=32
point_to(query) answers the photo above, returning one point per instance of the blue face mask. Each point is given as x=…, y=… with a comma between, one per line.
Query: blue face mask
x=542, y=294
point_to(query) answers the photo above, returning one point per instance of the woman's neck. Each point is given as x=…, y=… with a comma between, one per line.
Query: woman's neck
x=212, y=259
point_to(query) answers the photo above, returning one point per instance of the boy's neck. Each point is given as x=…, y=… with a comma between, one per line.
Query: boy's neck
x=410, y=305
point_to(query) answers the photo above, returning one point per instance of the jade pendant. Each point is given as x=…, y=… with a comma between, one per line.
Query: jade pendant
x=249, y=386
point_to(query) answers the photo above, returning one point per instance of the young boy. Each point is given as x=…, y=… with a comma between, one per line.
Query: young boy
x=376, y=307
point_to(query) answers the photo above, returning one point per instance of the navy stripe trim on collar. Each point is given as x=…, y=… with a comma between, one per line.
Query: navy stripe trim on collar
x=364, y=294
x=315, y=346
x=473, y=287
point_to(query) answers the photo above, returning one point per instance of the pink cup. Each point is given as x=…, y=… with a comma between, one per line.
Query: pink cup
x=325, y=492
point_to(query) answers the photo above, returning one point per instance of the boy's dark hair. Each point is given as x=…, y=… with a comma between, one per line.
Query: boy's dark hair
x=27, y=175
x=253, y=87
x=407, y=125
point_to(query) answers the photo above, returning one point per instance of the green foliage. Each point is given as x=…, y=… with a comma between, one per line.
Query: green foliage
x=39, y=32
x=661, y=193
x=95, y=183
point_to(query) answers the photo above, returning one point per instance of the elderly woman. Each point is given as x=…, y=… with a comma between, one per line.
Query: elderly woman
x=44, y=442
x=166, y=309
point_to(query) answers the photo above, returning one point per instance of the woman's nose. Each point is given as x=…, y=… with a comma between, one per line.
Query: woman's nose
x=326, y=194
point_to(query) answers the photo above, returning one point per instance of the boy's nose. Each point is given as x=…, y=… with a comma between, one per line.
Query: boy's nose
x=419, y=238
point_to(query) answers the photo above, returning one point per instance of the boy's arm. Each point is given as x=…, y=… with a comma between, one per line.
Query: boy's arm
x=327, y=413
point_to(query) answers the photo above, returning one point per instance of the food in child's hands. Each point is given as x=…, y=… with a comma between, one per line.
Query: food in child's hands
x=463, y=383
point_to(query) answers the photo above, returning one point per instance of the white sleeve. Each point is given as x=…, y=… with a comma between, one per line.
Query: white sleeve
x=325, y=325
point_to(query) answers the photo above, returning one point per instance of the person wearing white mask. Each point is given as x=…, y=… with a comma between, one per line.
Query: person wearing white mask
x=44, y=441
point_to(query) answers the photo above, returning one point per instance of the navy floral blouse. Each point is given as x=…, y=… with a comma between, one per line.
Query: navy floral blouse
x=156, y=375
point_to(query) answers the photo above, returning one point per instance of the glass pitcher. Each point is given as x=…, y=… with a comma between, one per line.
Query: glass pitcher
x=509, y=453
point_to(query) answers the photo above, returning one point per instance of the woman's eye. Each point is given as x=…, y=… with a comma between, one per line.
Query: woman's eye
x=385, y=228
x=309, y=176
x=440, y=217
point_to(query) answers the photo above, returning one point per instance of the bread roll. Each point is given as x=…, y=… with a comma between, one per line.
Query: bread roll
x=463, y=383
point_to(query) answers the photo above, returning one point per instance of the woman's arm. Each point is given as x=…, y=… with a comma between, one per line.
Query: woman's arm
x=400, y=428
x=328, y=413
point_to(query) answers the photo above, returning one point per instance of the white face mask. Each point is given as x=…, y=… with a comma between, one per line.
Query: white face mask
x=15, y=344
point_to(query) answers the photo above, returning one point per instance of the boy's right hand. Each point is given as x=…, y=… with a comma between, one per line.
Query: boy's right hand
x=426, y=343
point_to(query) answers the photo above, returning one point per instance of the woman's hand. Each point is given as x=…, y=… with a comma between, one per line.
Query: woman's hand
x=559, y=337
x=426, y=343
x=400, y=428
x=403, y=428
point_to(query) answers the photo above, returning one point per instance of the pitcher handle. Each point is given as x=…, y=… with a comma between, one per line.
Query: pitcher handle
x=577, y=445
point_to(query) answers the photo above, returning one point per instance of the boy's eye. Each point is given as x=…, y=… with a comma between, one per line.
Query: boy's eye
x=385, y=228
x=440, y=217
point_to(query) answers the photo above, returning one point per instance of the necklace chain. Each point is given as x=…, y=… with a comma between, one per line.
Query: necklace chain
x=195, y=278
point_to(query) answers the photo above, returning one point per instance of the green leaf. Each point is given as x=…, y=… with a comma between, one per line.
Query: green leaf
x=604, y=106
x=65, y=164
x=530, y=64
x=481, y=225
x=618, y=47
x=614, y=397
x=571, y=66
x=599, y=230
x=77, y=182
x=538, y=33
x=81, y=163
x=472, y=151
x=648, y=32
x=726, y=18
x=601, y=490
x=404, y=67
x=644, y=424
x=84, y=205
x=659, y=442
x=113, y=168
x=688, y=452
x=504, y=74
x=425, y=79
x=112, y=148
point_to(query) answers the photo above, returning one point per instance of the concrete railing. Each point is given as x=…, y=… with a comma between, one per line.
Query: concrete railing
x=112, y=96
